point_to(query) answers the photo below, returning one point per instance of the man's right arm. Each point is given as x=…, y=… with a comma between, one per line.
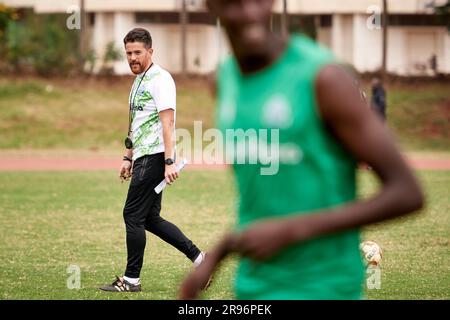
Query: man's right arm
x=129, y=153
x=125, y=170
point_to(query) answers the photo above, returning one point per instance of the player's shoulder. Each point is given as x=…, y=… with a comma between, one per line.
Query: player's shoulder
x=161, y=75
x=226, y=64
x=160, y=72
x=228, y=69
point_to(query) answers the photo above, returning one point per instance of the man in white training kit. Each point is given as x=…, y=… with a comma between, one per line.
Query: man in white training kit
x=150, y=153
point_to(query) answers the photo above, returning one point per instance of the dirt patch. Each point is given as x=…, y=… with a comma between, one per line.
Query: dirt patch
x=437, y=124
x=445, y=108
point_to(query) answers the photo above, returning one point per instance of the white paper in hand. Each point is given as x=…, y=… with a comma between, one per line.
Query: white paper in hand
x=160, y=187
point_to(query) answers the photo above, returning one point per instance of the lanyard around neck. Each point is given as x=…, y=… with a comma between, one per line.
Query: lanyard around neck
x=132, y=100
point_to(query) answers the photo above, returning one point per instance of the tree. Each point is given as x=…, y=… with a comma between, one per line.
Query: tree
x=385, y=44
x=183, y=24
x=443, y=11
x=83, y=31
x=8, y=17
x=284, y=20
x=111, y=55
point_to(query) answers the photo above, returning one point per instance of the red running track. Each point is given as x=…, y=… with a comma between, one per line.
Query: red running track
x=93, y=163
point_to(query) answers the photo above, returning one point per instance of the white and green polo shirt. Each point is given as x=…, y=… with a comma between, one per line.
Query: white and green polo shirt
x=155, y=93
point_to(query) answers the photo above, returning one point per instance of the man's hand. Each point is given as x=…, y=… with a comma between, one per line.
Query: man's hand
x=259, y=241
x=125, y=171
x=170, y=173
x=262, y=240
x=193, y=284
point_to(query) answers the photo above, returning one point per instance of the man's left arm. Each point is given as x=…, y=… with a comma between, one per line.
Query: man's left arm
x=167, y=118
x=164, y=94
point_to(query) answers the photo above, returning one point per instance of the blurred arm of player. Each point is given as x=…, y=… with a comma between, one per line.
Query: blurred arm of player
x=126, y=170
x=365, y=137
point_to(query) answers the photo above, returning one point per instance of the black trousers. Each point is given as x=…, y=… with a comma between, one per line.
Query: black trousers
x=141, y=212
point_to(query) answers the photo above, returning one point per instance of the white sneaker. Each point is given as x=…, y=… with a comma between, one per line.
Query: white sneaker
x=198, y=263
x=199, y=260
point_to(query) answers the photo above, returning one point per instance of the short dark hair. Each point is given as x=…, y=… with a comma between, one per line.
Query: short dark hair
x=139, y=35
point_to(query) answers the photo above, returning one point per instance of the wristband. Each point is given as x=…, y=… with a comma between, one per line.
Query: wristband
x=125, y=158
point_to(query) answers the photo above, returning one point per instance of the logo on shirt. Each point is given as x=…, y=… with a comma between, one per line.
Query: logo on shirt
x=137, y=108
x=277, y=113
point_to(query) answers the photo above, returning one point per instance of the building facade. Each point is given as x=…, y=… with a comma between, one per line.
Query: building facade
x=417, y=42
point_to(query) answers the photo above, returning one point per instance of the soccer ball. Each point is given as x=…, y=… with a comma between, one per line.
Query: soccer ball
x=372, y=252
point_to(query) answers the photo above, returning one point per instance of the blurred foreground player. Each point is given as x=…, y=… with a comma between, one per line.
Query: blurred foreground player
x=298, y=229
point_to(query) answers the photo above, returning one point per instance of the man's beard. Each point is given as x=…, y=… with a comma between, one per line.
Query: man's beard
x=133, y=68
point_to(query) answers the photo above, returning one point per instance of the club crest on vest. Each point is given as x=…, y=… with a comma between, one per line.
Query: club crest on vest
x=277, y=113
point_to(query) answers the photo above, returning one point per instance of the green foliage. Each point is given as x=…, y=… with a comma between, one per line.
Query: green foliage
x=41, y=43
x=55, y=47
x=90, y=59
x=111, y=55
x=13, y=50
x=443, y=11
x=7, y=15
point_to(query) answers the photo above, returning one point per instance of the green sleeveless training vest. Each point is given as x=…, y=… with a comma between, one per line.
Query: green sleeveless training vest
x=273, y=114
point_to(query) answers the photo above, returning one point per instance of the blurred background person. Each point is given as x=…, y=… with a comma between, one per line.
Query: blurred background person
x=378, y=99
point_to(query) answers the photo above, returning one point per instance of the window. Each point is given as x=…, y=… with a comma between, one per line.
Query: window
x=415, y=20
x=174, y=18
x=91, y=19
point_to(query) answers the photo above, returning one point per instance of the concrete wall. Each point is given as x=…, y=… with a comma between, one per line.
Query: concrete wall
x=102, y=34
x=408, y=47
x=342, y=37
x=324, y=37
x=349, y=37
x=123, y=22
x=367, y=49
x=204, y=47
x=420, y=45
x=53, y=6
x=206, y=44
x=294, y=6
x=446, y=56
x=352, y=6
